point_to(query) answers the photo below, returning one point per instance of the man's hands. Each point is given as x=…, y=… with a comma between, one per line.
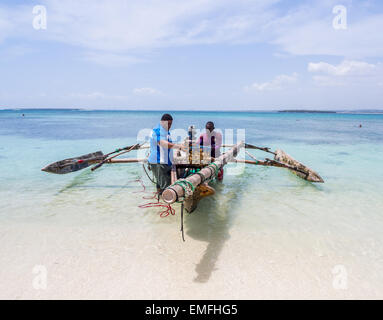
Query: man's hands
x=169, y=145
x=181, y=147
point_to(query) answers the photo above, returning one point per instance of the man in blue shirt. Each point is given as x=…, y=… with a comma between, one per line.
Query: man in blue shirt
x=161, y=155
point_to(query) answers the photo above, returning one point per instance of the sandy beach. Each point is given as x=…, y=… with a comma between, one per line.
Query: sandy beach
x=123, y=263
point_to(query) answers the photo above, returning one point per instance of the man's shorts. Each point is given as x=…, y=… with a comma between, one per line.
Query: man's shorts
x=161, y=174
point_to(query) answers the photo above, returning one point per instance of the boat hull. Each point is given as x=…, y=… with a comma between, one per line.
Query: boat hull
x=74, y=164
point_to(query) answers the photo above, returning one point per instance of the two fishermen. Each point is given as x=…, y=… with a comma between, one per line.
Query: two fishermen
x=161, y=145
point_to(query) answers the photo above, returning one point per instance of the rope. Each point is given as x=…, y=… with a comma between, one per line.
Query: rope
x=216, y=167
x=187, y=186
x=203, y=179
x=212, y=173
x=163, y=214
x=168, y=210
x=182, y=222
x=147, y=174
x=142, y=184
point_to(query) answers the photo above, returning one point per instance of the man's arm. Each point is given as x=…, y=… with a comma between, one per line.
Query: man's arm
x=218, y=140
x=170, y=145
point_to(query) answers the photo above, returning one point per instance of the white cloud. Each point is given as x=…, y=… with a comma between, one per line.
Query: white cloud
x=125, y=25
x=346, y=73
x=308, y=30
x=114, y=32
x=146, y=91
x=120, y=32
x=346, y=68
x=279, y=82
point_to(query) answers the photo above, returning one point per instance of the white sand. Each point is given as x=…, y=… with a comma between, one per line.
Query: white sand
x=118, y=262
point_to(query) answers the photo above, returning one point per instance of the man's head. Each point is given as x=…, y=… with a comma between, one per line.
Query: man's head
x=210, y=126
x=166, y=121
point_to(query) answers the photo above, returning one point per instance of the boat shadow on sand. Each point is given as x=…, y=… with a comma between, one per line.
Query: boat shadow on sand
x=215, y=216
x=211, y=223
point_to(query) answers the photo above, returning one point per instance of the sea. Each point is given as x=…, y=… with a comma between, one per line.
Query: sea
x=264, y=234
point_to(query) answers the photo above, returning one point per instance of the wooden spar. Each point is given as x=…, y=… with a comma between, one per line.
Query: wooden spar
x=174, y=192
x=136, y=146
x=250, y=146
x=268, y=163
x=125, y=161
x=173, y=174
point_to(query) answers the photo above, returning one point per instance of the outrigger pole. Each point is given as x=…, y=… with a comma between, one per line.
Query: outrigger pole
x=108, y=159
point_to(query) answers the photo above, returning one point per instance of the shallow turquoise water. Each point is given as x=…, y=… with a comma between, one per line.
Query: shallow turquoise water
x=343, y=217
x=346, y=156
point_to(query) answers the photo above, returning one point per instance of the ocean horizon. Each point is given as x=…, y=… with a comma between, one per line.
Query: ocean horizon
x=199, y=109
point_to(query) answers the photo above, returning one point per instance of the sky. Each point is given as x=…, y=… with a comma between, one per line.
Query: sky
x=192, y=54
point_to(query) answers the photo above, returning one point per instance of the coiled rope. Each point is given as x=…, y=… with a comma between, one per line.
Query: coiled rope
x=168, y=210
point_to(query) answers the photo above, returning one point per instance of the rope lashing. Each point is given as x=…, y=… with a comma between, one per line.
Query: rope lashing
x=187, y=186
x=182, y=222
x=216, y=167
x=203, y=179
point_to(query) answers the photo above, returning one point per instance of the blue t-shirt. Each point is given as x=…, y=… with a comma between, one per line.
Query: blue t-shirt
x=159, y=154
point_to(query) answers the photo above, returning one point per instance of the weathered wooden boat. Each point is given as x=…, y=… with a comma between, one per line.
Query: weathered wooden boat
x=192, y=170
x=82, y=162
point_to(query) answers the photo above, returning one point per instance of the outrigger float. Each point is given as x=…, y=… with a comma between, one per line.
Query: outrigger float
x=192, y=171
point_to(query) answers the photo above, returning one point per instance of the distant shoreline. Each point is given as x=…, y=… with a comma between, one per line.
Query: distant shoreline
x=306, y=111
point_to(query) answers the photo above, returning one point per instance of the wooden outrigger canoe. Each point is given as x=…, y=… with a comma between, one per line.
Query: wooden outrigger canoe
x=82, y=162
x=190, y=178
